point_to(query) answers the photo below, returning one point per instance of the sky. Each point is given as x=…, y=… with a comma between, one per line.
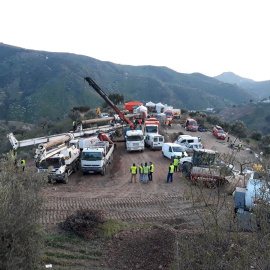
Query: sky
x=206, y=36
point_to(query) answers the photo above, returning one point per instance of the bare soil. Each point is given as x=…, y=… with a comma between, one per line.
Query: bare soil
x=157, y=201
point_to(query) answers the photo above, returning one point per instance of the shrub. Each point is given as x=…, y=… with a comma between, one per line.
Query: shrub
x=256, y=135
x=85, y=223
x=21, y=235
x=111, y=227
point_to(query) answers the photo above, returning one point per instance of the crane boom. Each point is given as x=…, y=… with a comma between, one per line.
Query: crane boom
x=35, y=141
x=106, y=98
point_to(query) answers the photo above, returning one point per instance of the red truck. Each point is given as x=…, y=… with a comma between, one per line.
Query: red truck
x=191, y=124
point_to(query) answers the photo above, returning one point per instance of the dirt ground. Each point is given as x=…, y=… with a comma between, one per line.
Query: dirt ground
x=157, y=201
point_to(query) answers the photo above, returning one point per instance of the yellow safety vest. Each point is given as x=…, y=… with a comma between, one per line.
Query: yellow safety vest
x=74, y=123
x=23, y=162
x=141, y=169
x=152, y=168
x=145, y=169
x=133, y=169
x=171, y=168
x=175, y=162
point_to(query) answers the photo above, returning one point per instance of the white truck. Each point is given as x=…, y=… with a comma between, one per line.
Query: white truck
x=134, y=140
x=60, y=161
x=96, y=158
x=152, y=138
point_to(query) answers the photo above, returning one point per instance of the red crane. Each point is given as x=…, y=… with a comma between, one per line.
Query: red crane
x=106, y=98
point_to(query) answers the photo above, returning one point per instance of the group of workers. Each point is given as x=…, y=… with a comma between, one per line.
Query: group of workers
x=14, y=159
x=145, y=172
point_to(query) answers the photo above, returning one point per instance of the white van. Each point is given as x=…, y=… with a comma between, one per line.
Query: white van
x=172, y=150
x=183, y=139
x=154, y=141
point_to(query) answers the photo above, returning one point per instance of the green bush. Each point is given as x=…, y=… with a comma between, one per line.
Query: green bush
x=111, y=227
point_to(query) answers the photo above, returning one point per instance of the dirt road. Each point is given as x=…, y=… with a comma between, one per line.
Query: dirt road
x=157, y=201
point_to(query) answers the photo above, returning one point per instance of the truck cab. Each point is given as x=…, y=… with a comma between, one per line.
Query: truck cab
x=95, y=158
x=134, y=140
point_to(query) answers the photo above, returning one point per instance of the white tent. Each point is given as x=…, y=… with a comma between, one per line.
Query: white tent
x=150, y=104
x=142, y=109
x=159, y=106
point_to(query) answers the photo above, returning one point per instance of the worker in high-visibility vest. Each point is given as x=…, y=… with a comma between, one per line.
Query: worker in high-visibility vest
x=133, y=170
x=170, y=173
x=151, y=170
x=141, y=172
x=23, y=164
x=145, y=173
x=175, y=163
x=74, y=125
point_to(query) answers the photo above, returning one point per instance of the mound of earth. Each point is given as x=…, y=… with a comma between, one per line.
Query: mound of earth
x=140, y=248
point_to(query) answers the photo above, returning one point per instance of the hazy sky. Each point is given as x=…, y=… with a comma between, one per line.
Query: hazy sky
x=206, y=36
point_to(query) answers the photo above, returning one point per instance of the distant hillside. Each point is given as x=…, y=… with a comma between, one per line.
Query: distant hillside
x=255, y=116
x=262, y=89
x=35, y=84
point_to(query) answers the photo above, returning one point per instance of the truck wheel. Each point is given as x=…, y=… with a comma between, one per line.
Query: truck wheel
x=74, y=168
x=65, y=180
x=103, y=171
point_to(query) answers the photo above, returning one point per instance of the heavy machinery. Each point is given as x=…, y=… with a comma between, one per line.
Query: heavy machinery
x=204, y=166
x=98, y=156
x=77, y=134
x=152, y=138
x=61, y=158
x=252, y=203
x=133, y=136
x=106, y=98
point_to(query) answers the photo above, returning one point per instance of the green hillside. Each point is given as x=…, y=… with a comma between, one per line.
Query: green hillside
x=259, y=119
x=35, y=84
x=261, y=89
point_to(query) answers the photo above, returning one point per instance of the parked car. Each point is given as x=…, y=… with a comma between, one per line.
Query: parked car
x=189, y=147
x=219, y=132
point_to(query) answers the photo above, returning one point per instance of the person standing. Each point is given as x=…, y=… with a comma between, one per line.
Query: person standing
x=170, y=173
x=145, y=173
x=239, y=146
x=151, y=170
x=133, y=170
x=23, y=164
x=74, y=125
x=175, y=163
x=141, y=172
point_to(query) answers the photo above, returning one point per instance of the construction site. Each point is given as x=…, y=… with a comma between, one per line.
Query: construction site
x=90, y=168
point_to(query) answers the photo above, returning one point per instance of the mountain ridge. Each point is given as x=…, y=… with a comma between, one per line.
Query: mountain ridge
x=35, y=84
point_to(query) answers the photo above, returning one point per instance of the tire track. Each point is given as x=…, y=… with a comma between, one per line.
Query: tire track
x=157, y=208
